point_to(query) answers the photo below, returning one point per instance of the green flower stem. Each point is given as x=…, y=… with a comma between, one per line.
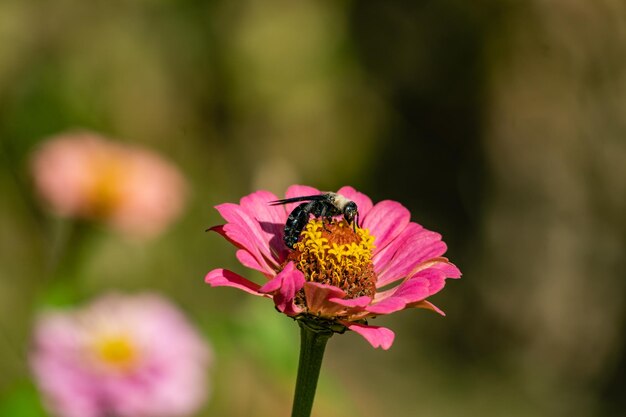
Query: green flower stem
x=70, y=249
x=312, y=345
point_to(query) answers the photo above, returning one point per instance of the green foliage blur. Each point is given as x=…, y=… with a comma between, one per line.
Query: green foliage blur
x=500, y=124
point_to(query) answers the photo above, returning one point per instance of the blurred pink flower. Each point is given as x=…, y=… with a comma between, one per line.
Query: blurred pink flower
x=336, y=275
x=123, y=356
x=132, y=189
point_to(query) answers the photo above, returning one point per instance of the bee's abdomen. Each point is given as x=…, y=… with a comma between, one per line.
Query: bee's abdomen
x=296, y=221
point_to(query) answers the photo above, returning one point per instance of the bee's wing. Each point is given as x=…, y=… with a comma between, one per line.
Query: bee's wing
x=316, y=197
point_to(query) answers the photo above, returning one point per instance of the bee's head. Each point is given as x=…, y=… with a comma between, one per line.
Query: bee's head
x=350, y=212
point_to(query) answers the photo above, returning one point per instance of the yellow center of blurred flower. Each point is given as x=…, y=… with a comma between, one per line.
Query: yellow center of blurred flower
x=334, y=253
x=104, y=193
x=117, y=352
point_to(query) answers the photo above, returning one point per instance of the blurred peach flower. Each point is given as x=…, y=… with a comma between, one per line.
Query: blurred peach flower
x=132, y=189
x=123, y=356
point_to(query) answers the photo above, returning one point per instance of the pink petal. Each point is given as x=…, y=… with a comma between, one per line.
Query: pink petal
x=317, y=298
x=375, y=335
x=353, y=307
x=225, y=278
x=395, y=299
x=386, y=220
x=387, y=306
x=406, y=253
x=251, y=262
x=425, y=304
x=246, y=231
x=241, y=236
x=449, y=269
x=220, y=230
x=272, y=285
x=435, y=277
x=284, y=288
x=363, y=202
x=270, y=218
x=359, y=302
x=258, y=203
x=383, y=256
x=298, y=191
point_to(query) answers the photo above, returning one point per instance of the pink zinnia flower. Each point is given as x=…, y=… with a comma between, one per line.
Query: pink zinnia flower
x=132, y=189
x=123, y=356
x=335, y=276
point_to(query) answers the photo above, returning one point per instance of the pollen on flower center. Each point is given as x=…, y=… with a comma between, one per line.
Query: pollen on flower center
x=104, y=193
x=334, y=253
x=117, y=352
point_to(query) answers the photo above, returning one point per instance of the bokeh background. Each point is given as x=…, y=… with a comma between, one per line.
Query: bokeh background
x=500, y=124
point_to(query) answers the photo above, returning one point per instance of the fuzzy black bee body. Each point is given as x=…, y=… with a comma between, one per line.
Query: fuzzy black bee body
x=325, y=205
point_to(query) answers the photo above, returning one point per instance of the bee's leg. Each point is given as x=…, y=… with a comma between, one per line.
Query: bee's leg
x=328, y=219
x=325, y=217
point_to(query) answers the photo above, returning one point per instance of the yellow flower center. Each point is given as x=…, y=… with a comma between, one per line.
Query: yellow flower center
x=334, y=253
x=104, y=193
x=116, y=352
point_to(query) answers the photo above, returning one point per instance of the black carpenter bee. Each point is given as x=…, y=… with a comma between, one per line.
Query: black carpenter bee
x=325, y=205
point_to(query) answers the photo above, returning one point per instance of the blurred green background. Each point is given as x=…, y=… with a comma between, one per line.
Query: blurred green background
x=500, y=124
